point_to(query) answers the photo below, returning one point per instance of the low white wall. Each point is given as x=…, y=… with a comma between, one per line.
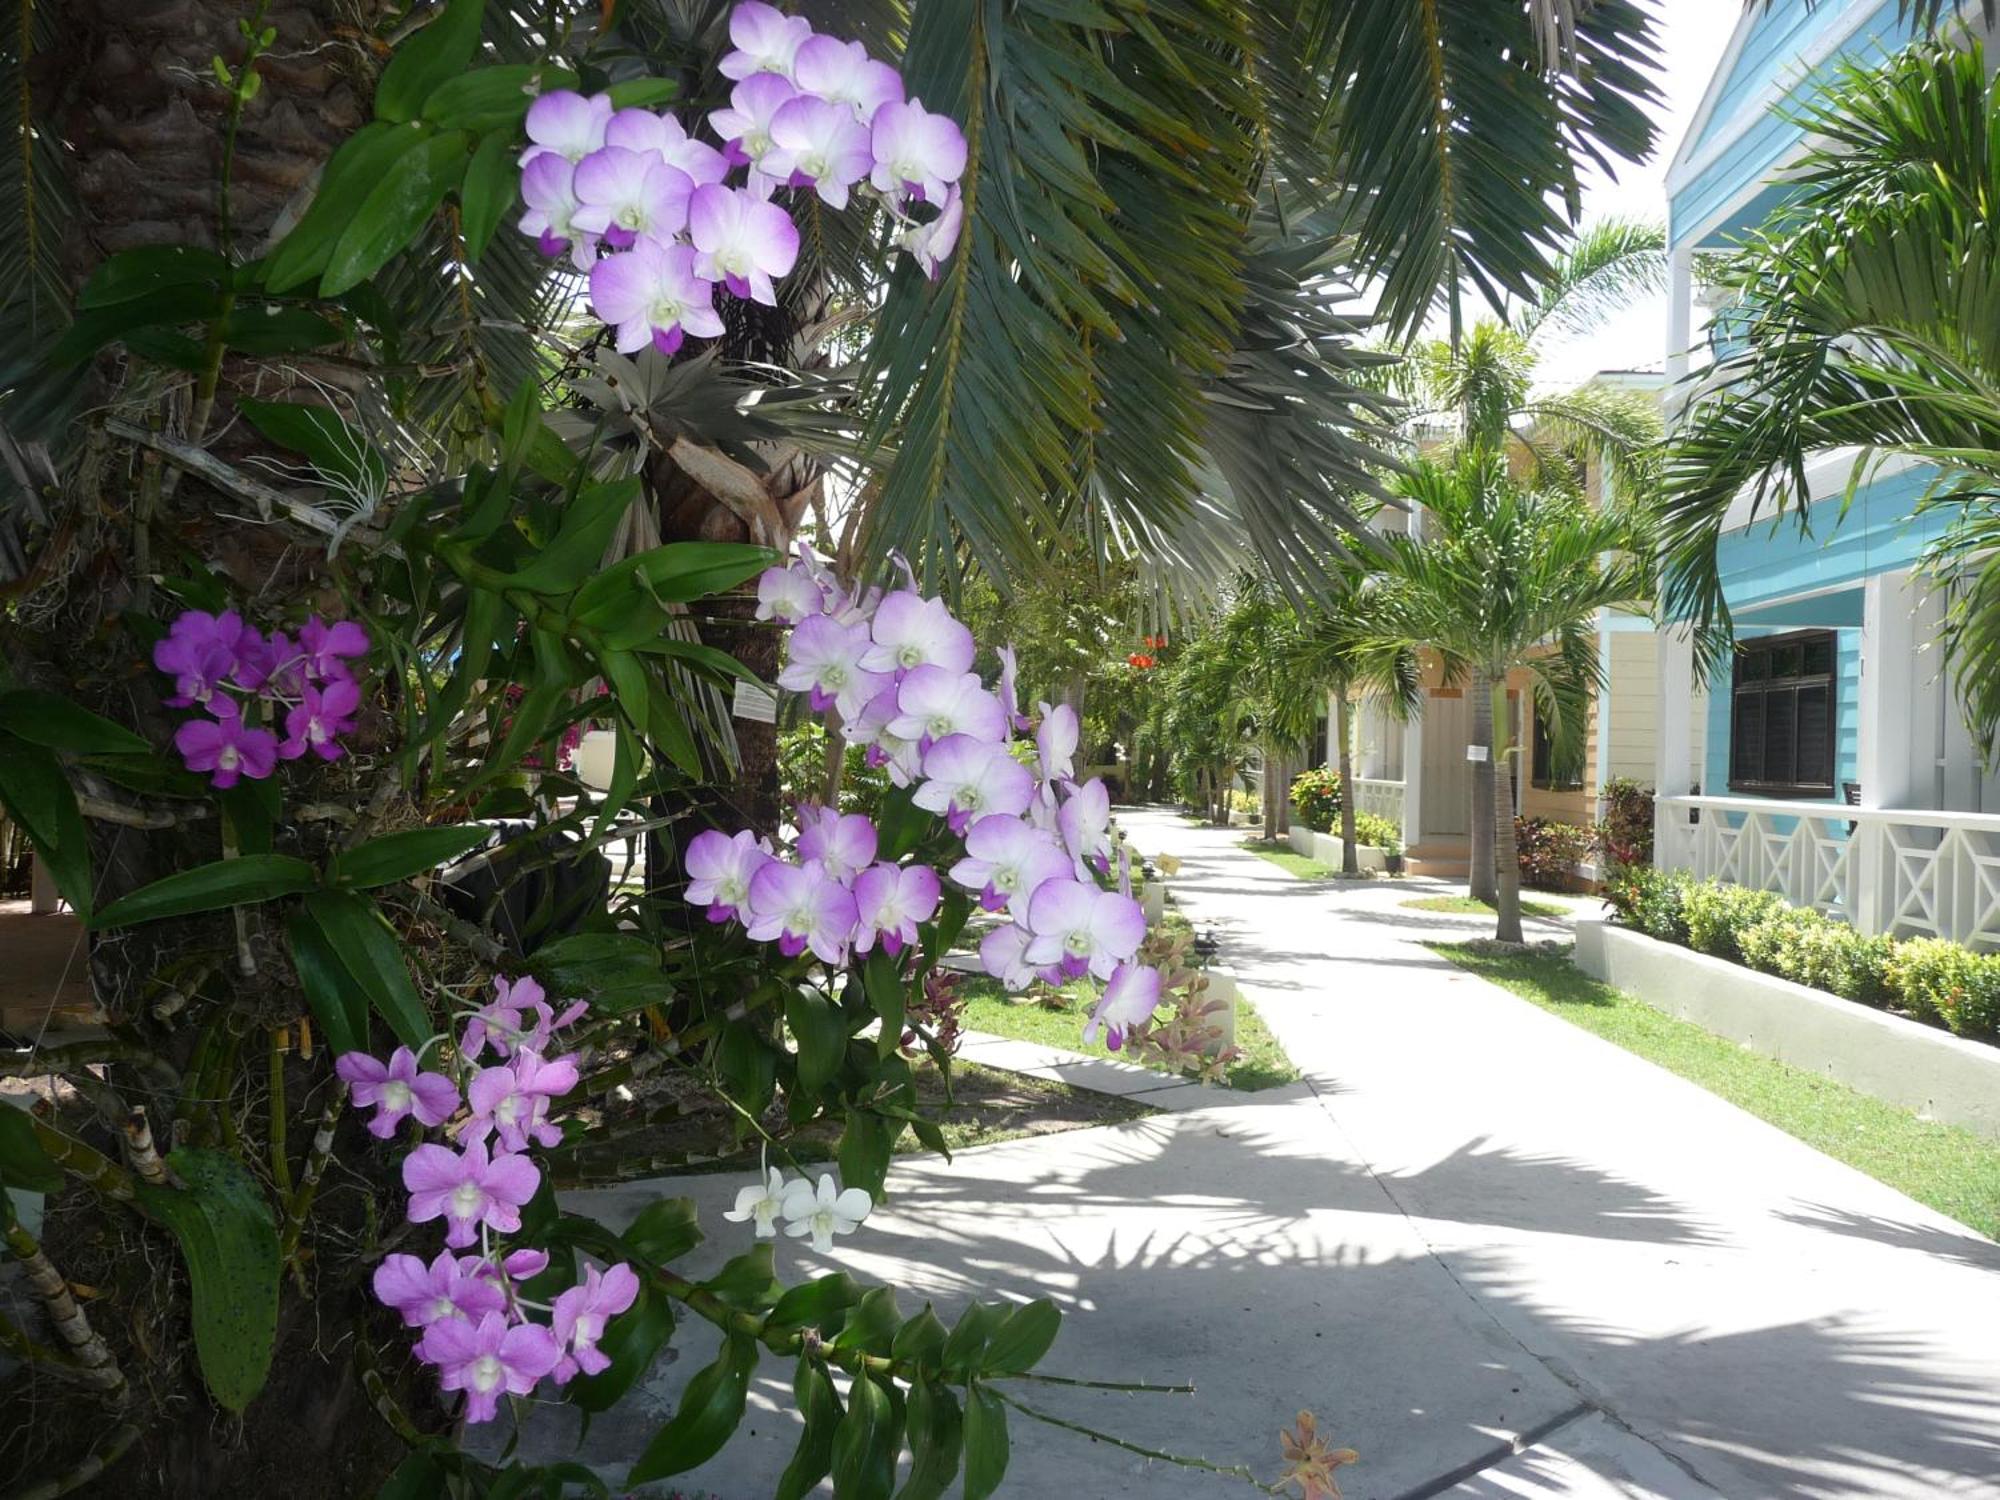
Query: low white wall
x=1326, y=849
x=1302, y=839
x=1940, y=1076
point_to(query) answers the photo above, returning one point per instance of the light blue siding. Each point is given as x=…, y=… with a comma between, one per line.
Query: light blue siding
x=1847, y=720
x=1767, y=137
x=1773, y=560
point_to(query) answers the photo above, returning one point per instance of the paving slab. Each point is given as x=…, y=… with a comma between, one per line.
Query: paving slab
x=1586, y=1459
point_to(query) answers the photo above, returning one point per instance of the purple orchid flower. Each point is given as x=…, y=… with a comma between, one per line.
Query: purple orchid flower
x=1055, y=743
x=931, y=244
x=512, y=1101
x=801, y=908
x=548, y=187
x=664, y=136
x=1085, y=820
x=917, y=154
x=323, y=714
x=324, y=649
x=1005, y=860
x=468, y=1188
x=720, y=867
x=581, y=1313
x=505, y=1022
x=199, y=652
x=564, y=123
x=789, y=595
x=843, y=73
x=966, y=777
x=1078, y=928
x=902, y=758
x=820, y=145
x=488, y=1359
x=1003, y=953
x=824, y=659
x=228, y=749
x=934, y=703
x=650, y=293
x=766, y=40
x=911, y=631
x=1009, y=693
x=515, y=1265
x=449, y=1287
x=629, y=196
x=1129, y=1000
x=742, y=241
x=889, y=902
x=397, y=1090
x=841, y=844
x=745, y=129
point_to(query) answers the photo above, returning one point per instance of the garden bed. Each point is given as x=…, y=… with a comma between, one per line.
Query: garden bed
x=1941, y=1076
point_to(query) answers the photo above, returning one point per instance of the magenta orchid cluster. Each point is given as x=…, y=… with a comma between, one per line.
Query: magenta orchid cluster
x=237, y=676
x=476, y=1326
x=1037, y=847
x=653, y=215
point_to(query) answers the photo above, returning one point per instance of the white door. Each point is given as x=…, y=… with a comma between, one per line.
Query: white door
x=1446, y=802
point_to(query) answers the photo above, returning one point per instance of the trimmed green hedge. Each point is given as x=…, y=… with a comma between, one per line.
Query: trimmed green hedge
x=1928, y=978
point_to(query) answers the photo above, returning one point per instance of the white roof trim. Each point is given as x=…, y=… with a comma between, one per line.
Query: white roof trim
x=1711, y=94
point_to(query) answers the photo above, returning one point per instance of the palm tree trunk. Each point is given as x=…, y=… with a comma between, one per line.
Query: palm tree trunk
x=1350, y=858
x=1507, y=929
x=1480, y=884
x=1273, y=770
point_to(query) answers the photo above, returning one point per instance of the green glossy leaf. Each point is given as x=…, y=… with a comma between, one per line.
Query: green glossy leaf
x=747, y=1280
x=162, y=308
x=969, y=1336
x=664, y=1231
x=23, y=1162
x=211, y=887
x=339, y=1004
x=1022, y=1338
x=631, y=1342
x=873, y=1324
x=319, y=432
x=493, y=98
x=265, y=328
x=819, y=1404
x=37, y=795
x=396, y=210
x=230, y=1245
x=440, y=52
x=136, y=273
x=821, y=1035
x=577, y=547
x=52, y=720
x=865, y=1148
x=709, y=1411
x=882, y=981
x=491, y=187
x=368, y=949
x=920, y=1341
x=418, y=1477
x=615, y=971
x=935, y=1434
x=353, y=172
x=864, y=1446
x=816, y=1303
x=985, y=1443
x=398, y=856
x=643, y=93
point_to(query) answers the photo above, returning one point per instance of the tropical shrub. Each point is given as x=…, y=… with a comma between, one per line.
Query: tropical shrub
x=1549, y=852
x=1376, y=832
x=1653, y=901
x=1810, y=948
x=1717, y=916
x=1316, y=799
x=1939, y=980
x=1625, y=832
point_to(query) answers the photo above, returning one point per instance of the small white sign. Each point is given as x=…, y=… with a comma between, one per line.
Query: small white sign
x=1475, y=752
x=754, y=703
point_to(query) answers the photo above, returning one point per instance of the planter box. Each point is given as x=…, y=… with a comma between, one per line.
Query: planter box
x=1326, y=849
x=1940, y=1076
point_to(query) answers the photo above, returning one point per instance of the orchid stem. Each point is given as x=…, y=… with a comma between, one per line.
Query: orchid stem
x=1227, y=1471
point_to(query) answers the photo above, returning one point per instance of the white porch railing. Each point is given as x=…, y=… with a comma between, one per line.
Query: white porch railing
x=1902, y=871
x=1382, y=798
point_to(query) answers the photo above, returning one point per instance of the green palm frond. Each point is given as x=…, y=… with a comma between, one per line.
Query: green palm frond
x=1610, y=264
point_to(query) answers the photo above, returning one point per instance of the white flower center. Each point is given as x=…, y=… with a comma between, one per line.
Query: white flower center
x=813, y=166
x=755, y=144
x=940, y=725
x=508, y=1110
x=968, y=799
x=466, y=1200
x=1006, y=879
x=731, y=891
x=1078, y=943
x=396, y=1096
x=230, y=758
x=911, y=655
x=632, y=216
x=666, y=311
x=833, y=674
x=444, y=1307
x=487, y=1373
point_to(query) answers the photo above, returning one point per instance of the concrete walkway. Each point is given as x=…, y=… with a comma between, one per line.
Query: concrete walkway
x=1498, y=1256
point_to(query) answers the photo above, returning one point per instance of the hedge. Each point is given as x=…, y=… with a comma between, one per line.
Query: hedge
x=1930, y=979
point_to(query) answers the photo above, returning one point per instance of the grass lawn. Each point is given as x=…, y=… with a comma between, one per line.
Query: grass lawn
x=1483, y=909
x=1952, y=1170
x=988, y=1007
x=1288, y=859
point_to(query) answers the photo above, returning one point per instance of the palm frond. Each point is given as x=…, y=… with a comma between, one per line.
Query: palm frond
x=1603, y=270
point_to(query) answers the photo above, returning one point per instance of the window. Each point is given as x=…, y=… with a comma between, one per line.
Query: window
x=1550, y=771
x=1781, y=722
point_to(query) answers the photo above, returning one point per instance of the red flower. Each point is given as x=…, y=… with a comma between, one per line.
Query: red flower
x=1139, y=660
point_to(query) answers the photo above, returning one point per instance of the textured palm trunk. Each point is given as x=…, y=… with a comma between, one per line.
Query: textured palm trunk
x=1506, y=854
x=1274, y=770
x=1481, y=868
x=1350, y=857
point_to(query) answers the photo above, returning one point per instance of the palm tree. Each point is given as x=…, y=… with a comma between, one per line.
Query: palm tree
x=1509, y=579
x=1867, y=316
